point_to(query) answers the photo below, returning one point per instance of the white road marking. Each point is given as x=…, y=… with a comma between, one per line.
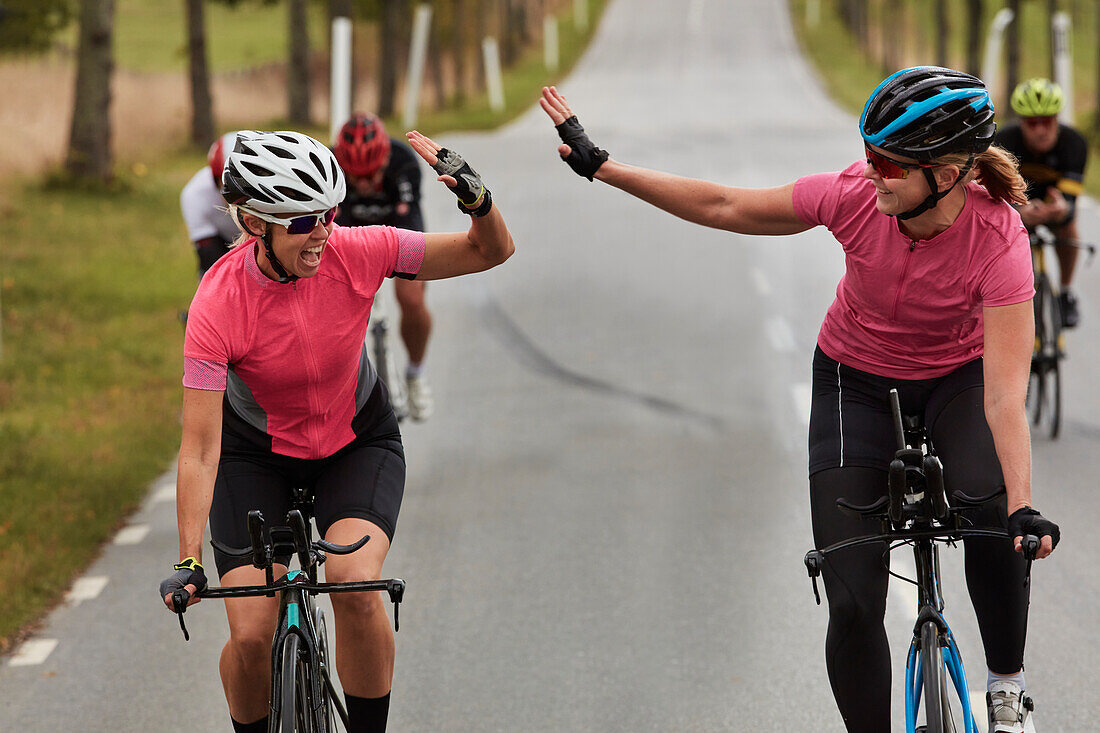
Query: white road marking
x=762, y=285
x=32, y=652
x=801, y=394
x=780, y=334
x=165, y=493
x=132, y=535
x=86, y=588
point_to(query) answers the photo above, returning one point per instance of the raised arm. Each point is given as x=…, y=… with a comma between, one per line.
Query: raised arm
x=487, y=243
x=741, y=210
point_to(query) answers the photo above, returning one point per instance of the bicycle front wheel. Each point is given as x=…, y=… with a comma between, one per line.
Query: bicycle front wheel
x=1044, y=394
x=937, y=704
x=294, y=708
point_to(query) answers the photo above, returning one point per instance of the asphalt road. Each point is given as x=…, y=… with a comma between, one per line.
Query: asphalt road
x=604, y=524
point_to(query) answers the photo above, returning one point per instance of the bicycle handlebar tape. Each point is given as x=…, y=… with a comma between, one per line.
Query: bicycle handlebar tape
x=473, y=197
x=584, y=157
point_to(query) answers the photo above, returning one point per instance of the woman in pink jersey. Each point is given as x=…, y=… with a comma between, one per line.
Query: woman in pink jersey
x=279, y=394
x=935, y=301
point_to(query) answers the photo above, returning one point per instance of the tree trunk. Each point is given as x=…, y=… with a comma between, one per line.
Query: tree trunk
x=1096, y=114
x=297, y=76
x=974, y=36
x=943, y=32
x=202, y=107
x=484, y=14
x=392, y=11
x=342, y=9
x=89, y=153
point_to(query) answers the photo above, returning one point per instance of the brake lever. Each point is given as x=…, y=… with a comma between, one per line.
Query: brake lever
x=179, y=605
x=397, y=592
x=814, y=560
x=1030, y=545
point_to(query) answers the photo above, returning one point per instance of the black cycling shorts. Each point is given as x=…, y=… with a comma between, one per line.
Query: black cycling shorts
x=364, y=479
x=851, y=423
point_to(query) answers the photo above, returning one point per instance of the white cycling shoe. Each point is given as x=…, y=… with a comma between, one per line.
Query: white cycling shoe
x=1009, y=708
x=420, y=401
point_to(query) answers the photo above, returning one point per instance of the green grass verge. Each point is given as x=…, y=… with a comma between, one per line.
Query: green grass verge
x=151, y=35
x=850, y=75
x=90, y=287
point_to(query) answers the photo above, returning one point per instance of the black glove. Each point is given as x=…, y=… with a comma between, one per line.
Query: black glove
x=473, y=198
x=584, y=157
x=188, y=572
x=1028, y=521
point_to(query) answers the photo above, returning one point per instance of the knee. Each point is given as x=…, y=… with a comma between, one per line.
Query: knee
x=854, y=609
x=361, y=607
x=252, y=646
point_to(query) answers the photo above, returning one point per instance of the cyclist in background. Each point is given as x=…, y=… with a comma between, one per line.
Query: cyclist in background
x=935, y=301
x=384, y=188
x=279, y=393
x=1052, y=160
x=209, y=224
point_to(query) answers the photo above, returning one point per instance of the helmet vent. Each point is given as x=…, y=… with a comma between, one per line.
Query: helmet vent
x=290, y=193
x=256, y=169
x=309, y=181
x=281, y=152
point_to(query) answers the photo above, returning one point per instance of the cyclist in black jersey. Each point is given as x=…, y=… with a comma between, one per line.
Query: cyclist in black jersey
x=384, y=188
x=1052, y=160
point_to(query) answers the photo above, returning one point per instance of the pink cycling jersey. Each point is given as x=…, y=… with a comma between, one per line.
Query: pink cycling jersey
x=291, y=356
x=913, y=309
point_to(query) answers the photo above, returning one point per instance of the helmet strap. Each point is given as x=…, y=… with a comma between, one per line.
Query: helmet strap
x=284, y=276
x=934, y=198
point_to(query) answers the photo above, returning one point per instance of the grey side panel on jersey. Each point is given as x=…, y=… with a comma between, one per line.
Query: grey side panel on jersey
x=368, y=377
x=243, y=403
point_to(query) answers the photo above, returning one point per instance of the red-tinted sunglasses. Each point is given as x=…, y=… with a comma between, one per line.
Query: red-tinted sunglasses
x=1042, y=121
x=890, y=168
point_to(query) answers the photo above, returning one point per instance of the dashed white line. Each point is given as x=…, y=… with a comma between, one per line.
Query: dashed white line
x=86, y=588
x=801, y=394
x=780, y=334
x=762, y=285
x=165, y=493
x=132, y=535
x=32, y=652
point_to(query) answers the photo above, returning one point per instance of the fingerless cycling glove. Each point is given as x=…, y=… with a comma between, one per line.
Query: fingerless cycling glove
x=1028, y=521
x=584, y=157
x=188, y=572
x=473, y=198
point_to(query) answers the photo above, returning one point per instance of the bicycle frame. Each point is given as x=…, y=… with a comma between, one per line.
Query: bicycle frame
x=298, y=615
x=915, y=512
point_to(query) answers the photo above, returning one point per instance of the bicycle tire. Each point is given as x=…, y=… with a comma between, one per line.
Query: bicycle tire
x=937, y=707
x=386, y=366
x=1047, y=361
x=294, y=708
x=328, y=714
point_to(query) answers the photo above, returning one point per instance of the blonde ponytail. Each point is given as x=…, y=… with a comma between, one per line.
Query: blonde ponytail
x=995, y=169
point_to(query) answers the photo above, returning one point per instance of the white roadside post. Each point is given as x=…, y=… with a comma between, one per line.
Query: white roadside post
x=340, y=81
x=550, y=42
x=1061, y=37
x=580, y=14
x=994, y=42
x=491, y=51
x=417, y=55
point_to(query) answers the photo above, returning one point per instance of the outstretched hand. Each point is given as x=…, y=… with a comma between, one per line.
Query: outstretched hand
x=553, y=102
x=427, y=149
x=577, y=150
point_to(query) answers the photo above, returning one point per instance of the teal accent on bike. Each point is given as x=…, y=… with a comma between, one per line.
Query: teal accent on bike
x=292, y=615
x=293, y=574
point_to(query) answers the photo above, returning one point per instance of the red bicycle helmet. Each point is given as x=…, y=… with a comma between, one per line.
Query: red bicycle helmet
x=362, y=147
x=216, y=155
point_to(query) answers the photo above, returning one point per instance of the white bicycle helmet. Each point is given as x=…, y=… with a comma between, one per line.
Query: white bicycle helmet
x=280, y=175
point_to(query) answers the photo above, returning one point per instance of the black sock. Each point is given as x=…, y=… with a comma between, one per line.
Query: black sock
x=260, y=726
x=367, y=714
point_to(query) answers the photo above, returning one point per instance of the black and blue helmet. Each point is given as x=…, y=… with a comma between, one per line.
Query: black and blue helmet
x=927, y=111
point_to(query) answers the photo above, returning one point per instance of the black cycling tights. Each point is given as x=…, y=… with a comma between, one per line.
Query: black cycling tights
x=856, y=650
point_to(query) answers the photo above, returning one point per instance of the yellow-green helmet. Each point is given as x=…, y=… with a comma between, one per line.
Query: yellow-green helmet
x=1037, y=98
